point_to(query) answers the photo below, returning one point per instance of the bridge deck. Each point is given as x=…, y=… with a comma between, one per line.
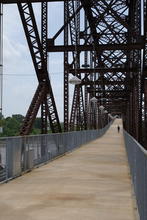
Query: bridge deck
x=91, y=183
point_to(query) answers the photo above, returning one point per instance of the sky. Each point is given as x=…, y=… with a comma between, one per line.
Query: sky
x=20, y=81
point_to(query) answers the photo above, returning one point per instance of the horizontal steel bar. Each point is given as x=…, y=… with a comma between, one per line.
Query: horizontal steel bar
x=25, y=1
x=103, y=70
x=61, y=48
x=114, y=83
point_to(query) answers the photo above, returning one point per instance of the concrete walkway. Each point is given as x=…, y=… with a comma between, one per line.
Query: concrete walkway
x=91, y=183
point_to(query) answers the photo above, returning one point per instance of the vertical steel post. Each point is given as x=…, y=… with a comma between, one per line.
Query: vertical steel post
x=145, y=111
x=44, y=34
x=66, y=75
x=1, y=57
x=86, y=65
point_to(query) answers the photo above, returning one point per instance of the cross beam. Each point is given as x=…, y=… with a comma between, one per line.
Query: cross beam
x=25, y=1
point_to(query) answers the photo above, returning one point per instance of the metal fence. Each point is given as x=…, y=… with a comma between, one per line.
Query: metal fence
x=137, y=157
x=21, y=154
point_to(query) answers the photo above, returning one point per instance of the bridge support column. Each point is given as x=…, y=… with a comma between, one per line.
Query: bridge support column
x=145, y=111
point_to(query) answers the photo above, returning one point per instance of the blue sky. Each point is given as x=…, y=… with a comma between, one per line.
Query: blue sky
x=19, y=89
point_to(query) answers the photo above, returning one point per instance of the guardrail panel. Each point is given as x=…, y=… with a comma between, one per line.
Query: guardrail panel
x=137, y=157
x=21, y=154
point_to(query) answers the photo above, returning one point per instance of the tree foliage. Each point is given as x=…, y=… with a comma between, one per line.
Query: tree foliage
x=11, y=125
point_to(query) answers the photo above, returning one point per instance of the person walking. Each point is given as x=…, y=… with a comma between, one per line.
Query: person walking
x=118, y=128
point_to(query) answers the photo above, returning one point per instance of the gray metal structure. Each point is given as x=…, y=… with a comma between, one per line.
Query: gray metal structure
x=1, y=56
x=22, y=154
x=137, y=157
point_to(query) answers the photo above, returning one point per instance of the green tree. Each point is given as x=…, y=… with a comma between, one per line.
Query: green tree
x=11, y=127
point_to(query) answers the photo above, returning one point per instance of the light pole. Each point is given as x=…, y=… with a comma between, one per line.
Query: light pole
x=110, y=116
x=106, y=115
x=76, y=82
x=101, y=108
x=94, y=115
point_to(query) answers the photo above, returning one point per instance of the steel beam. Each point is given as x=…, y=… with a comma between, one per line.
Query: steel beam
x=39, y=61
x=115, y=47
x=33, y=109
x=66, y=75
x=25, y=1
x=44, y=33
x=103, y=70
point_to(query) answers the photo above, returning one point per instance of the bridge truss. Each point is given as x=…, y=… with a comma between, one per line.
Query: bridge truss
x=108, y=43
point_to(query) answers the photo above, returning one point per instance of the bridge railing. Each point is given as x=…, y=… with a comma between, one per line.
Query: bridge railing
x=21, y=154
x=137, y=157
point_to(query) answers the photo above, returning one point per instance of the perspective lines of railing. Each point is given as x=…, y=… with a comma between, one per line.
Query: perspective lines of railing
x=22, y=154
x=137, y=157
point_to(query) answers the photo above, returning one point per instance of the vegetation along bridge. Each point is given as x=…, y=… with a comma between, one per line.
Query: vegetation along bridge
x=104, y=48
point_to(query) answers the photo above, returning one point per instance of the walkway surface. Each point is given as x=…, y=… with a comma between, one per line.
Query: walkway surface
x=91, y=183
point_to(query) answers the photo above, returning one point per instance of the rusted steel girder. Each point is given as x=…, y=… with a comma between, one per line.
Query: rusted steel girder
x=145, y=113
x=39, y=61
x=25, y=1
x=66, y=69
x=33, y=109
x=44, y=34
x=108, y=53
x=69, y=25
x=113, y=68
x=104, y=70
x=71, y=29
x=84, y=47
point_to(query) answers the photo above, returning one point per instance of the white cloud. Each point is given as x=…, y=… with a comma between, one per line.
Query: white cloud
x=13, y=50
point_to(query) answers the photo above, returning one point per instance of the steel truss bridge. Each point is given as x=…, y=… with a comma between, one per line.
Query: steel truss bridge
x=113, y=42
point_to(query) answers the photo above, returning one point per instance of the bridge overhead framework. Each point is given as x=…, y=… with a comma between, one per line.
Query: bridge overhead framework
x=105, y=47
x=90, y=183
